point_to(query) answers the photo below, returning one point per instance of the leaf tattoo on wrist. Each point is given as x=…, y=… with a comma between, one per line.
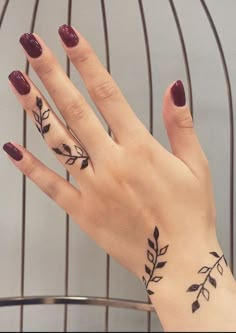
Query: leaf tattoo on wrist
x=201, y=288
x=73, y=157
x=153, y=254
x=40, y=117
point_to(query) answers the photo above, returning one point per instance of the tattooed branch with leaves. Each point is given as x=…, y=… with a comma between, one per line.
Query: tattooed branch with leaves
x=72, y=157
x=201, y=288
x=40, y=117
x=153, y=253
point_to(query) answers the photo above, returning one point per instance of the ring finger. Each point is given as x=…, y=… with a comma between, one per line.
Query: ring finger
x=68, y=150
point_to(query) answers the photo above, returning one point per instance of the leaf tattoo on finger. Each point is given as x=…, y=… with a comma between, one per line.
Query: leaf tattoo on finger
x=66, y=151
x=208, y=270
x=153, y=254
x=40, y=117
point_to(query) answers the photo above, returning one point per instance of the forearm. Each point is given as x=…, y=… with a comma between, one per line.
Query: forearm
x=186, y=300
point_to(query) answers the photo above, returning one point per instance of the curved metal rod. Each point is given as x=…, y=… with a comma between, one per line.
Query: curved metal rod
x=185, y=55
x=149, y=64
x=83, y=300
x=4, y=9
x=24, y=140
x=108, y=67
x=231, y=123
x=150, y=86
x=67, y=217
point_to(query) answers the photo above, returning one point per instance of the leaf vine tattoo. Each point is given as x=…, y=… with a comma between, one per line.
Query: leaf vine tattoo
x=40, y=117
x=201, y=288
x=72, y=157
x=153, y=253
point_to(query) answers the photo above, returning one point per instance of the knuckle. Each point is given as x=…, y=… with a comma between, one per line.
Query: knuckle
x=52, y=190
x=118, y=173
x=104, y=90
x=29, y=104
x=44, y=67
x=145, y=150
x=82, y=56
x=75, y=111
x=183, y=119
x=30, y=168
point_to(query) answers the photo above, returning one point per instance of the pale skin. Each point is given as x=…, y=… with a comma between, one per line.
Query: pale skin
x=132, y=185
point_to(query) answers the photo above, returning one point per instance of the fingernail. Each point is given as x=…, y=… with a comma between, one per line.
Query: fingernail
x=68, y=35
x=31, y=45
x=19, y=82
x=13, y=151
x=178, y=94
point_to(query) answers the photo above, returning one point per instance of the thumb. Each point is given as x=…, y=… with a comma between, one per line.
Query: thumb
x=179, y=125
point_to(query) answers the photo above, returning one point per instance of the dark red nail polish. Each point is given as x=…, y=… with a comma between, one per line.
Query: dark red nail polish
x=68, y=35
x=13, y=151
x=31, y=45
x=178, y=94
x=19, y=82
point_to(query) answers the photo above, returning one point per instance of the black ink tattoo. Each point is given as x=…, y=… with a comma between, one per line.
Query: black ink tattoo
x=40, y=116
x=152, y=255
x=201, y=288
x=72, y=158
x=66, y=150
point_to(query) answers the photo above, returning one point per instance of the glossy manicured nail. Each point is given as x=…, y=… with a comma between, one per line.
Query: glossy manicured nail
x=68, y=35
x=11, y=150
x=31, y=45
x=19, y=82
x=178, y=94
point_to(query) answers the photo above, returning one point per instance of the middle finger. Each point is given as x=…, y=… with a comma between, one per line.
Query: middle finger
x=77, y=113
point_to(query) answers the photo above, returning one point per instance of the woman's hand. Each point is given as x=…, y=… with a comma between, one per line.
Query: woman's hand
x=151, y=210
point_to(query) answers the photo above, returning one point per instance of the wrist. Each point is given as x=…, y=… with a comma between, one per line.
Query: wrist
x=195, y=286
